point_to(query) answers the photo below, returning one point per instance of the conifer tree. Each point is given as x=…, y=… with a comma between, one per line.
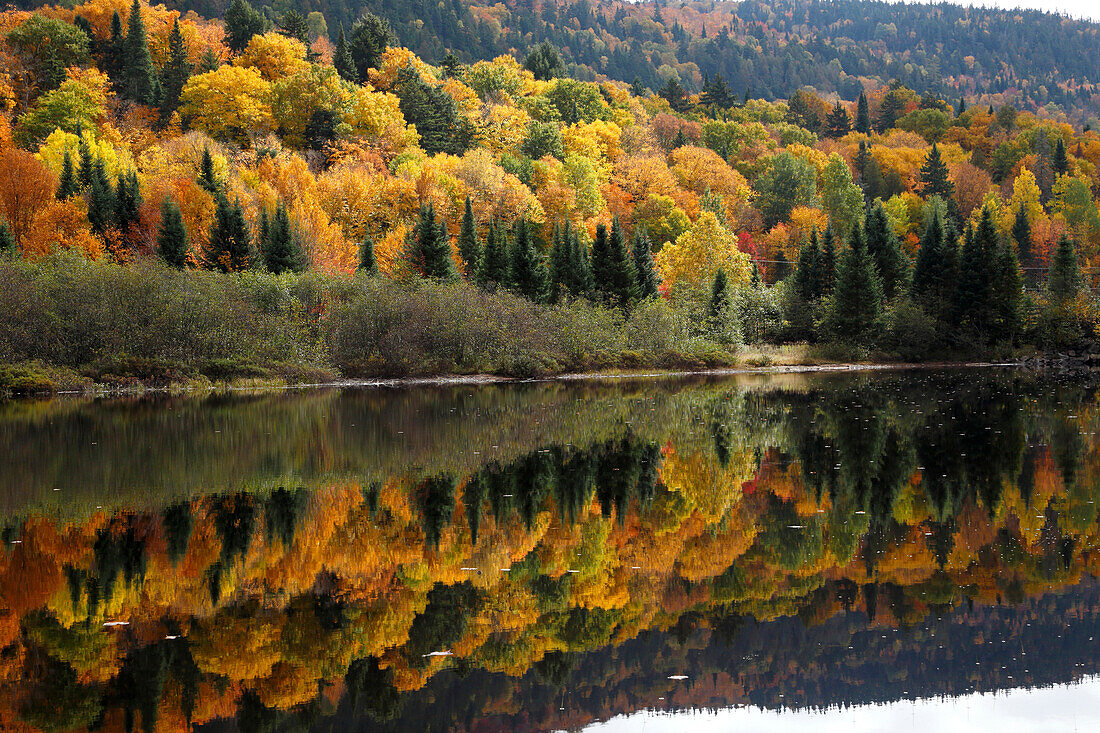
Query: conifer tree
x=891, y=262
x=1006, y=292
x=807, y=274
x=139, y=76
x=7, y=240
x=494, y=258
x=342, y=60
x=368, y=263
x=67, y=185
x=962, y=107
x=241, y=23
x=230, y=245
x=1065, y=276
x=87, y=168
x=645, y=270
x=612, y=270
x=208, y=179
x=863, y=115
x=1061, y=160
x=934, y=178
x=827, y=268
x=468, y=245
x=856, y=305
x=282, y=252
x=127, y=203
x=172, y=236
x=114, y=50
x=101, y=199
x=581, y=282
x=720, y=304
x=174, y=75
x=782, y=268
x=528, y=271
x=559, y=263
x=972, y=302
x=431, y=247
x=937, y=262
x=837, y=122
x=1021, y=234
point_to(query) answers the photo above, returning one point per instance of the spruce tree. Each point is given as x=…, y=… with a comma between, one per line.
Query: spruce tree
x=863, y=115
x=431, y=247
x=114, y=51
x=580, y=279
x=807, y=274
x=67, y=186
x=468, y=245
x=827, y=268
x=720, y=304
x=645, y=270
x=172, y=235
x=7, y=240
x=612, y=269
x=87, y=164
x=230, y=245
x=559, y=263
x=342, y=60
x=892, y=264
x=127, y=203
x=972, y=303
x=174, y=75
x=101, y=199
x=139, y=76
x=1021, y=234
x=528, y=270
x=368, y=263
x=1064, y=280
x=1006, y=294
x=934, y=178
x=962, y=107
x=856, y=305
x=838, y=123
x=282, y=252
x=935, y=272
x=494, y=258
x=208, y=179
x=241, y=23
x=1061, y=160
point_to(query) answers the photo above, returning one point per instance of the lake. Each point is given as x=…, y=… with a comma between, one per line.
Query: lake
x=852, y=551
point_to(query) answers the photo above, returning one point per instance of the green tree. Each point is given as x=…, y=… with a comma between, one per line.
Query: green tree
x=1064, y=280
x=430, y=253
x=127, y=203
x=972, y=303
x=342, y=59
x=841, y=198
x=883, y=245
x=293, y=25
x=46, y=47
x=230, y=245
x=528, y=271
x=370, y=38
x=807, y=274
x=172, y=241
x=208, y=179
x=1061, y=160
x=893, y=104
x=787, y=182
x=242, y=21
x=828, y=260
x=494, y=258
x=720, y=305
x=1006, y=294
x=434, y=112
x=936, y=269
x=837, y=123
x=280, y=247
x=645, y=272
x=139, y=76
x=114, y=50
x=543, y=138
x=544, y=62
x=7, y=240
x=368, y=263
x=468, y=245
x=67, y=186
x=863, y=115
x=856, y=307
x=934, y=177
x=176, y=72
x=612, y=269
x=101, y=199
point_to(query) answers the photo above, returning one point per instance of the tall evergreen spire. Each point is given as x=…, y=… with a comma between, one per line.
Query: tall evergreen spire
x=176, y=72
x=494, y=258
x=612, y=269
x=645, y=271
x=67, y=185
x=230, y=245
x=342, y=60
x=468, y=245
x=528, y=272
x=857, y=294
x=883, y=245
x=863, y=115
x=172, y=236
x=139, y=76
x=431, y=247
x=368, y=263
x=281, y=249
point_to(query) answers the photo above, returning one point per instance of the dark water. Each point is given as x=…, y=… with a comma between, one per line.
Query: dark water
x=849, y=551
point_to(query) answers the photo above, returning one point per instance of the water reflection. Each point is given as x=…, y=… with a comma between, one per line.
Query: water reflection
x=542, y=557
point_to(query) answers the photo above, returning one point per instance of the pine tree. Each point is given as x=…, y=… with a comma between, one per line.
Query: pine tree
x=368, y=263
x=857, y=294
x=935, y=272
x=720, y=304
x=282, y=252
x=827, y=268
x=612, y=270
x=86, y=170
x=528, y=271
x=1061, y=160
x=1021, y=234
x=962, y=107
x=139, y=76
x=431, y=247
x=972, y=303
x=114, y=51
x=838, y=123
x=342, y=60
x=172, y=235
x=934, y=178
x=174, y=75
x=494, y=258
x=468, y=245
x=1064, y=280
x=863, y=115
x=67, y=186
x=241, y=23
x=127, y=203
x=807, y=274
x=1006, y=294
x=580, y=280
x=883, y=245
x=101, y=199
x=559, y=263
x=645, y=271
x=230, y=245
x=208, y=179
x=7, y=241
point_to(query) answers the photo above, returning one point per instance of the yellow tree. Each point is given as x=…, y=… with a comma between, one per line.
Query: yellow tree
x=230, y=103
x=274, y=56
x=696, y=256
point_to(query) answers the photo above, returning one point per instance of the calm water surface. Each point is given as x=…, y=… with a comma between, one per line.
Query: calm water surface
x=901, y=551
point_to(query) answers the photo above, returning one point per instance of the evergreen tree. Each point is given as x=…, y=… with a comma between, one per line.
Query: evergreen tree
x=434, y=112
x=368, y=263
x=282, y=252
x=1021, y=234
x=807, y=274
x=139, y=76
x=559, y=263
x=962, y=107
x=1061, y=160
x=293, y=25
x=87, y=168
x=972, y=303
x=230, y=245
x=580, y=279
x=7, y=241
x=612, y=270
x=431, y=248
x=863, y=115
x=208, y=179
x=891, y=108
x=837, y=123
x=856, y=305
x=645, y=271
x=934, y=178
x=494, y=258
x=241, y=23
x=370, y=38
x=720, y=304
x=782, y=268
x=114, y=51
x=127, y=202
x=827, y=269
x=101, y=199
x=1006, y=293
x=172, y=236
x=528, y=272
x=935, y=272
x=468, y=245
x=883, y=245
x=67, y=186
x=342, y=60
x=174, y=75
x=1064, y=280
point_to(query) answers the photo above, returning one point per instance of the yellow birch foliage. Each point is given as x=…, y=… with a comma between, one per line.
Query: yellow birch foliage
x=274, y=56
x=697, y=254
x=229, y=104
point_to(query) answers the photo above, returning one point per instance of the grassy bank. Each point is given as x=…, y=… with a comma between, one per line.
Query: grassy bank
x=68, y=322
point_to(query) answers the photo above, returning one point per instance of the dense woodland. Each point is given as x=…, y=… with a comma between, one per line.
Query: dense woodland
x=806, y=540
x=895, y=222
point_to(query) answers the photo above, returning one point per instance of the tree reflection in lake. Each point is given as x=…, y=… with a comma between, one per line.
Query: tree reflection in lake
x=540, y=557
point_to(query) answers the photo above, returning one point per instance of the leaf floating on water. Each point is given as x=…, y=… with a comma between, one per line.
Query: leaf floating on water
x=117, y=623
x=677, y=676
x=438, y=654
x=796, y=526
